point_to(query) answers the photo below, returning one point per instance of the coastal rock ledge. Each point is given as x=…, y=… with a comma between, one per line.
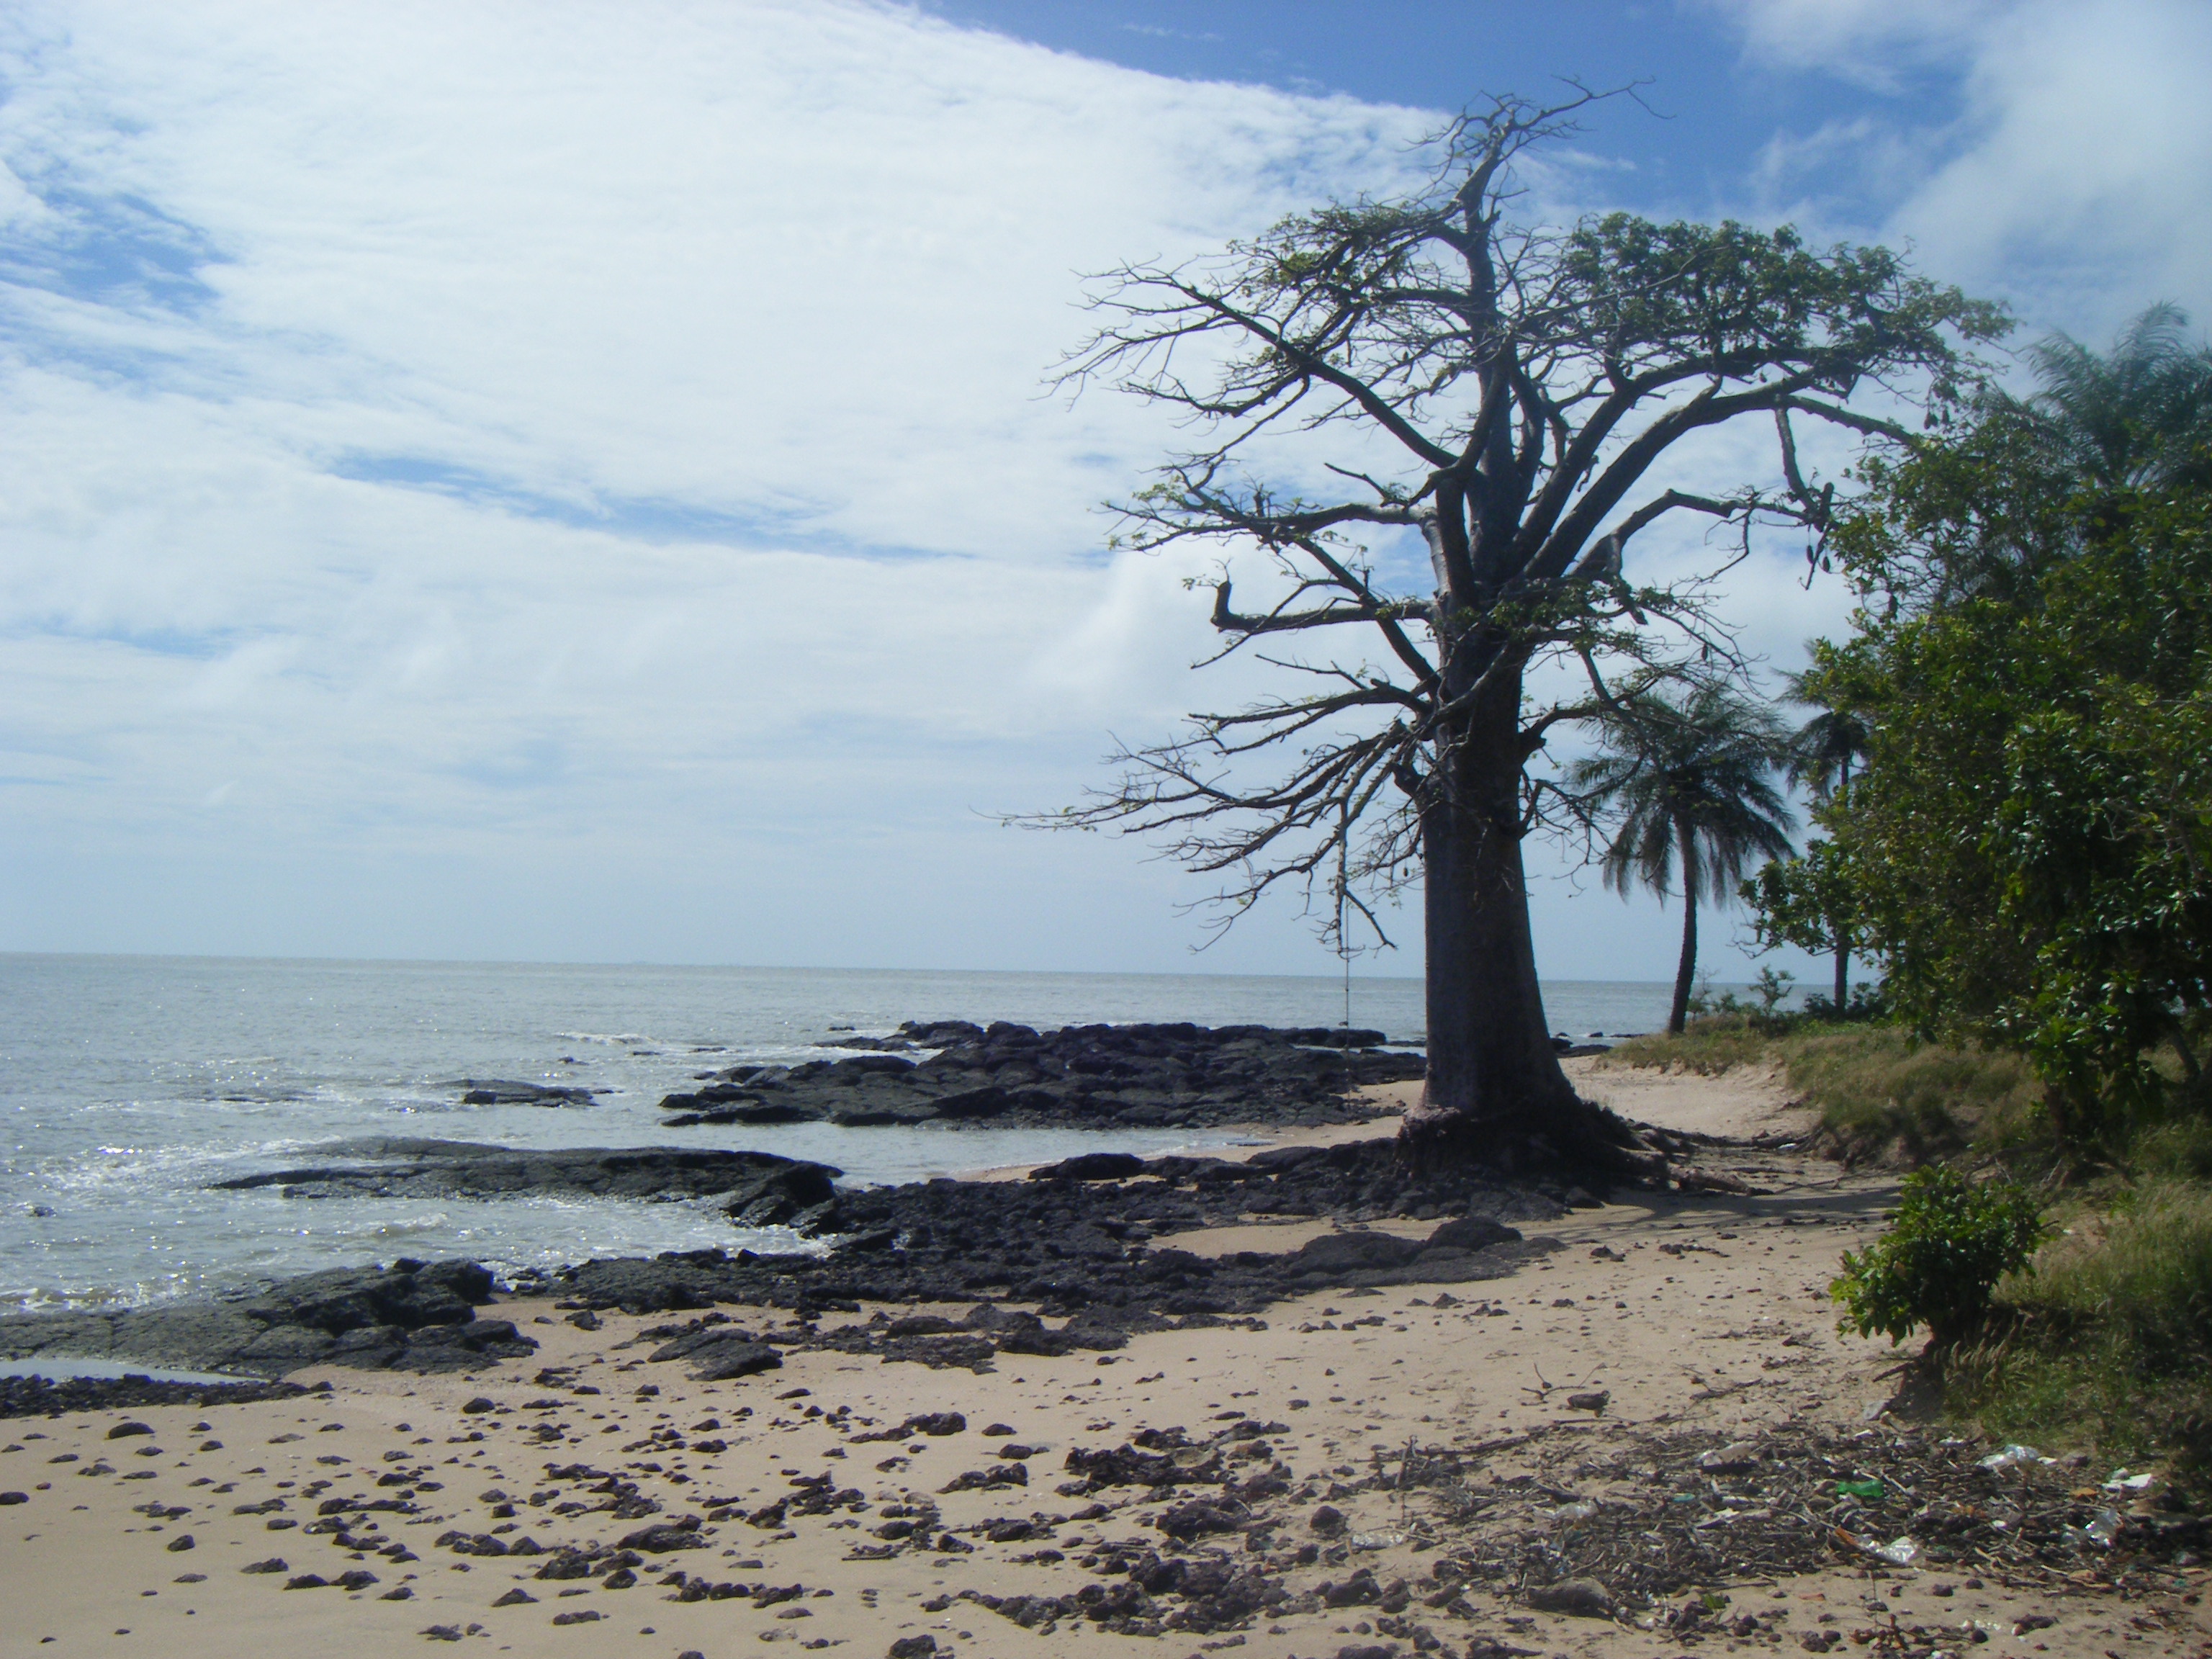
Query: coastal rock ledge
x=954, y=1071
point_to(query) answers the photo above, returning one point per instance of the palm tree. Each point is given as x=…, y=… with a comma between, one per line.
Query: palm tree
x=2139, y=416
x=1819, y=756
x=1690, y=779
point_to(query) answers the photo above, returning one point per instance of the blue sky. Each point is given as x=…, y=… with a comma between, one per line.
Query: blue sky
x=490, y=482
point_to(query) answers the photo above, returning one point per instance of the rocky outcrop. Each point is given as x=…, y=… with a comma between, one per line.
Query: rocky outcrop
x=1087, y=1253
x=501, y=1091
x=1081, y=1076
x=759, y=1189
x=412, y=1316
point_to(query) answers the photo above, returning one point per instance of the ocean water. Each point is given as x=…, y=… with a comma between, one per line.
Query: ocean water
x=128, y=1084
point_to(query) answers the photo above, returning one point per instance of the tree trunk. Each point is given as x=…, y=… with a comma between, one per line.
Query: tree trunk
x=1835, y=924
x=1685, y=970
x=1495, y=1093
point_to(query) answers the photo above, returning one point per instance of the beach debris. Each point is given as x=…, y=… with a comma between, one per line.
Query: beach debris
x=2014, y=1456
x=1898, y=1552
x=1577, y=1598
x=2101, y=1530
x=1595, y=1401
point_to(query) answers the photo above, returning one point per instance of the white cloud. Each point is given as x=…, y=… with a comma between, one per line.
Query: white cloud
x=2056, y=153
x=502, y=480
x=572, y=445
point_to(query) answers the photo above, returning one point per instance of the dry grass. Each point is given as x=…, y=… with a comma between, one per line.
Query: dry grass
x=1883, y=1095
x=2105, y=1341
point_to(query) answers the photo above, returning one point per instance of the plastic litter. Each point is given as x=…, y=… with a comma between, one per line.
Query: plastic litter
x=1898, y=1552
x=2103, y=1529
x=1858, y=1489
x=1376, y=1540
x=1579, y=1511
x=2123, y=1481
x=2013, y=1456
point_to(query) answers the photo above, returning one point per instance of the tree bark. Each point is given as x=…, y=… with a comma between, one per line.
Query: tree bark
x=1495, y=1093
x=1835, y=924
x=1686, y=970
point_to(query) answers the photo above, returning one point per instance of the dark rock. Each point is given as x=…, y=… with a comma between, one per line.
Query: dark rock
x=499, y=1091
x=1091, y=1166
x=1091, y=1074
x=1473, y=1233
x=1327, y=1520
x=776, y=1188
x=913, y=1647
x=722, y=1362
x=514, y=1598
x=1196, y=1519
x=8, y=1498
x=1333, y=1251
x=177, y=1545
x=126, y=1430
x=666, y=1535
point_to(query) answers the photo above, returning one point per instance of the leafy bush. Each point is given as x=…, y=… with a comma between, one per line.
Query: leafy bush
x=1951, y=1243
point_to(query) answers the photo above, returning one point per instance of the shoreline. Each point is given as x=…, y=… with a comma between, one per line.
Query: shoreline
x=1723, y=1107
x=1359, y=1470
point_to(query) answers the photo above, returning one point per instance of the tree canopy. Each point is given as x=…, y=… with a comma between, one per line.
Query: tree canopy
x=2029, y=846
x=1430, y=366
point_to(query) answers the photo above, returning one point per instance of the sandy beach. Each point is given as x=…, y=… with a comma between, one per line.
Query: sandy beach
x=845, y=1502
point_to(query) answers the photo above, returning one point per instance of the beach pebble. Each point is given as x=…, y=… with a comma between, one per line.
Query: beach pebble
x=125, y=1429
x=913, y=1647
x=177, y=1545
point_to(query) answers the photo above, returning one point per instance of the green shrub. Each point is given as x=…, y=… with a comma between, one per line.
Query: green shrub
x=1951, y=1243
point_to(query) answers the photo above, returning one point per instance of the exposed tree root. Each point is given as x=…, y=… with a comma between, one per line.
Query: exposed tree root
x=1573, y=1137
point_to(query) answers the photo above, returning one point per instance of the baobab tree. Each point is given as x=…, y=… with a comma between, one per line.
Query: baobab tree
x=1519, y=385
